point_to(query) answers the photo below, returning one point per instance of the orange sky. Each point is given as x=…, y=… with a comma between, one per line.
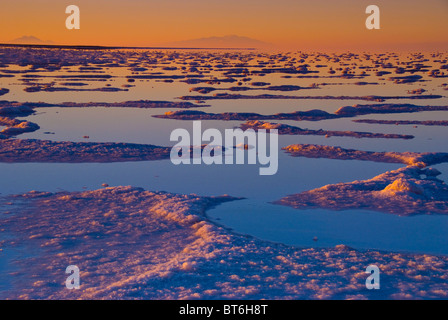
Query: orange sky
x=317, y=24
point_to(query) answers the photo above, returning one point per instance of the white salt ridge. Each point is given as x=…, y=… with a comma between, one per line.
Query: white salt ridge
x=135, y=244
x=406, y=191
x=402, y=192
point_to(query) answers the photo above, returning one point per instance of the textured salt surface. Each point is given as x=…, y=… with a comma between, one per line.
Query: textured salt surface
x=292, y=130
x=406, y=191
x=330, y=152
x=31, y=150
x=15, y=127
x=135, y=244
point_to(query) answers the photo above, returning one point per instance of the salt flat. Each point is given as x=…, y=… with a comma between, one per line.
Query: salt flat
x=73, y=120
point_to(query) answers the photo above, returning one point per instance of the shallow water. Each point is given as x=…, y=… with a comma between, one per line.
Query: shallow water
x=102, y=124
x=254, y=215
x=324, y=228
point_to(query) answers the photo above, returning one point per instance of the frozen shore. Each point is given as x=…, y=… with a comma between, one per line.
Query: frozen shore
x=135, y=244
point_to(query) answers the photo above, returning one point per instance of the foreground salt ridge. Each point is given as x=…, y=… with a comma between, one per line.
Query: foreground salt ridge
x=135, y=244
x=406, y=191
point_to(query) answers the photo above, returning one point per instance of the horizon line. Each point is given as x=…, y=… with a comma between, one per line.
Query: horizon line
x=98, y=47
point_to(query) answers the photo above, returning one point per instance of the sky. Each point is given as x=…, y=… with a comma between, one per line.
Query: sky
x=291, y=24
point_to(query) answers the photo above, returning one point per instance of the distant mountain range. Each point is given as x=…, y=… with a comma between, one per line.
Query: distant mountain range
x=230, y=41
x=30, y=40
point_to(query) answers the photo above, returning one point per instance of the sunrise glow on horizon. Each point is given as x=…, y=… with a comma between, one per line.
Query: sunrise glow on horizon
x=282, y=24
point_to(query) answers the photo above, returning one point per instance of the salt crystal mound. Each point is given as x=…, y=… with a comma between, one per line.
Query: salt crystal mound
x=403, y=192
x=135, y=244
x=292, y=130
x=15, y=127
